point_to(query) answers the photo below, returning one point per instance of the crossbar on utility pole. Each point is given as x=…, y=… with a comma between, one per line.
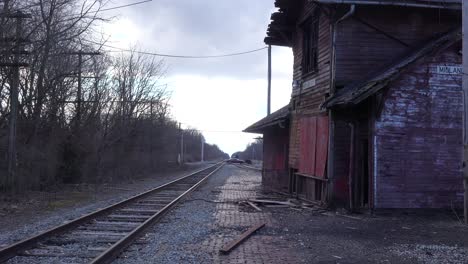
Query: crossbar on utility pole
x=465, y=108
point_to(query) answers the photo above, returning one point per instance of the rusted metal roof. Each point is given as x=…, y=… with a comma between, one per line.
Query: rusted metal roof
x=273, y=119
x=357, y=92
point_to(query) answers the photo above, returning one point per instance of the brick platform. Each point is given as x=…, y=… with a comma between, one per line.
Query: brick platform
x=233, y=218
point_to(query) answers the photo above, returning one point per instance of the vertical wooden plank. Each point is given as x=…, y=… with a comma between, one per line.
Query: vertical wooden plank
x=303, y=126
x=322, y=146
x=312, y=133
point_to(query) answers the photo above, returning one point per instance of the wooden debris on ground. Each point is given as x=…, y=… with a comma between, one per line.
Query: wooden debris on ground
x=272, y=202
x=231, y=245
x=254, y=206
x=293, y=204
x=350, y=217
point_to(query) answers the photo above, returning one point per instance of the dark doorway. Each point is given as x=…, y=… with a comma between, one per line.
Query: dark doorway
x=362, y=176
x=293, y=181
x=360, y=171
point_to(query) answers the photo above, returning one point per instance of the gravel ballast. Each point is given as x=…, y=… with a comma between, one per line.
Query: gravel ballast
x=17, y=226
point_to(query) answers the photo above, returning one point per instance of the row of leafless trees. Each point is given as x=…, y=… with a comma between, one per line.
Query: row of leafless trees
x=83, y=115
x=193, y=140
x=253, y=151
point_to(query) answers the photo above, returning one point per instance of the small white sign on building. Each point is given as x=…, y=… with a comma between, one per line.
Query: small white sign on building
x=452, y=70
x=308, y=84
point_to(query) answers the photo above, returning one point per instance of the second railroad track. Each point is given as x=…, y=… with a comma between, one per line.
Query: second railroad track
x=99, y=237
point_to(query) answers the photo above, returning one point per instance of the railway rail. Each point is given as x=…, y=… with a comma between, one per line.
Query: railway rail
x=99, y=237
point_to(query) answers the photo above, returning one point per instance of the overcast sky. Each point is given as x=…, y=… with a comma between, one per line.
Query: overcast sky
x=221, y=96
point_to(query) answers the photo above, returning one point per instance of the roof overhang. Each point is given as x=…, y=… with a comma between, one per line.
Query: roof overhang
x=357, y=92
x=269, y=121
x=283, y=22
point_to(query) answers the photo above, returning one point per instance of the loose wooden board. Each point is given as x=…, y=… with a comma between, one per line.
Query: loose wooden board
x=231, y=245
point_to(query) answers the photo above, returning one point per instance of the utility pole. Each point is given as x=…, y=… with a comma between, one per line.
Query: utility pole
x=14, y=110
x=465, y=108
x=202, y=149
x=14, y=90
x=151, y=134
x=181, y=153
x=269, y=81
x=79, y=93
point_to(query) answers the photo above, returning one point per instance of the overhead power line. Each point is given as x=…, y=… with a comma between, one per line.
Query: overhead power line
x=116, y=49
x=122, y=6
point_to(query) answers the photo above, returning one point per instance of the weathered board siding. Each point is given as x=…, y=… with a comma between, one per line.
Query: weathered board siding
x=313, y=145
x=308, y=100
x=294, y=141
x=361, y=49
x=275, y=158
x=419, y=138
x=341, y=157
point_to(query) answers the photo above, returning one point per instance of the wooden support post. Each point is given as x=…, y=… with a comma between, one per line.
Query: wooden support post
x=465, y=107
x=269, y=81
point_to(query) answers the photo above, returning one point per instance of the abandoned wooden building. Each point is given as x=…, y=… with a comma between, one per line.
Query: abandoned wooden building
x=375, y=116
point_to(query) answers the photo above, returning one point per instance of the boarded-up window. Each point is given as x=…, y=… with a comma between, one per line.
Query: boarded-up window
x=313, y=145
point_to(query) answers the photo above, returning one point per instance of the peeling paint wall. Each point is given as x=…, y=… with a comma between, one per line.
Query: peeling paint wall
x=418, y=140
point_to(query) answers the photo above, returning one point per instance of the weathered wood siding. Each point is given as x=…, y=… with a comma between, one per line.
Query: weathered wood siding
x=361, y=49
x=418, y=138
x=308, y=100
x=294, y=141
x=341, y=157
x=275, y=158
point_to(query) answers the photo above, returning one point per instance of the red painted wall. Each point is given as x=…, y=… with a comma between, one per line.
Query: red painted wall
x=275, y=158
x=313, y=145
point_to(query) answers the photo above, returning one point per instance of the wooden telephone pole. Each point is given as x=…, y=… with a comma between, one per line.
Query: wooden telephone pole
x=202, y=149
x=14, y=88
x=465, y=107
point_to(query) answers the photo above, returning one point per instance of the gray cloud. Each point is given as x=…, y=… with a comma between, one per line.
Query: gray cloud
x=206, y=27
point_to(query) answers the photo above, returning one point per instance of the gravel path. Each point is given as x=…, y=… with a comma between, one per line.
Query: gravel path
x=18, y=226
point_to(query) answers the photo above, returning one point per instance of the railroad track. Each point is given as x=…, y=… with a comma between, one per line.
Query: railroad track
x=99, y=237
